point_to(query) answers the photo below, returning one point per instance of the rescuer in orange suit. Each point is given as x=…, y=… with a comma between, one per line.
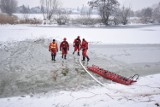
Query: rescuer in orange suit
x=84, y=47
x=64, y=47
x=53, y=48
x=77, y=45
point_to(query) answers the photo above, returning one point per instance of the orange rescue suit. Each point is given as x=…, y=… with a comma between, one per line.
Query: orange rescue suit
x=53, y=47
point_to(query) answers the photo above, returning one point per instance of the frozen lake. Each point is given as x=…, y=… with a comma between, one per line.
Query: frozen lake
x=26, y=69
x=26, y=66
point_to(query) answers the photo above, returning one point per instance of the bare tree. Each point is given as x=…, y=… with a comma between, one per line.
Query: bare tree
x=86, y=16
x=43, y=8
x=49, y=8
x=117, y=17
x=156, y=13
x=106, y=8
x=147, y=12
x=146, y=15
x=43, y=12
x=25, y=11
x=8, y=6
x=138, y=13
x=85, y=12
x=124, y=15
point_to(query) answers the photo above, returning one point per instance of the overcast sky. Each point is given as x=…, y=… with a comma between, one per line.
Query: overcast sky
x=134, y=4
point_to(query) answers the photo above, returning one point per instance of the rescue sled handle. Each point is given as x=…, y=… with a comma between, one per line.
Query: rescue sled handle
x=135, y=77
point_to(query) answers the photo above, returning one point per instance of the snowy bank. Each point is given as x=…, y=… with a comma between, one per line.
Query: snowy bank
x=147, y=87
x=128, y=35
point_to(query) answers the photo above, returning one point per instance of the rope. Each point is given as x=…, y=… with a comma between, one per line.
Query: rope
x=90, y=73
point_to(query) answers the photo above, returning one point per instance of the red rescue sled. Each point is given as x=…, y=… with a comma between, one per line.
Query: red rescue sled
x=112, y=76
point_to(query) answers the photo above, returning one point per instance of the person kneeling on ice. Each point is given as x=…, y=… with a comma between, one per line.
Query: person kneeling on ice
x=53, y=48
x=84, y=47
x=77, y=44
x=64, y=47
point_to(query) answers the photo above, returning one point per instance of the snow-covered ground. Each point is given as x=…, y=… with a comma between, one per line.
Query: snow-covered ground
x=144, y=93
x=120, y=35
x=29, y=78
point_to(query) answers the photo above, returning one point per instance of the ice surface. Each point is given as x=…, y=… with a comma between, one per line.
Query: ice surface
x=26, y=66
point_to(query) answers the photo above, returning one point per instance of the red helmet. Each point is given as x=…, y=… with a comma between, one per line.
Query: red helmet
x=64, y=39
x=78, y=36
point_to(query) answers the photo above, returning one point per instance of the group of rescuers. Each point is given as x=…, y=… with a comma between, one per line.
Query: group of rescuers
x=64, y=47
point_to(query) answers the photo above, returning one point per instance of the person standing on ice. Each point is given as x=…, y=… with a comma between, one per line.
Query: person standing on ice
x=84, y=47
x=64, y=47
x=76, y=45
x=53, y=48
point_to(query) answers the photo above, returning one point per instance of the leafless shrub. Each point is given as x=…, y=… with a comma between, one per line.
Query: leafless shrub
x=86, y=21
x=30, y=21
x=6, y=19
x=62, y=17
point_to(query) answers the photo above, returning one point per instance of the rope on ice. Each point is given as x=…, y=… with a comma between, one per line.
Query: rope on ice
x=90, y=73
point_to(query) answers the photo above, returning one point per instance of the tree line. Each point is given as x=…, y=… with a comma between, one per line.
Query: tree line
x=110, y=12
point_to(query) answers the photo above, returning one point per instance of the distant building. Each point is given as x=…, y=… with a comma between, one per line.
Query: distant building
x=32, y=10
x=35, y=10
